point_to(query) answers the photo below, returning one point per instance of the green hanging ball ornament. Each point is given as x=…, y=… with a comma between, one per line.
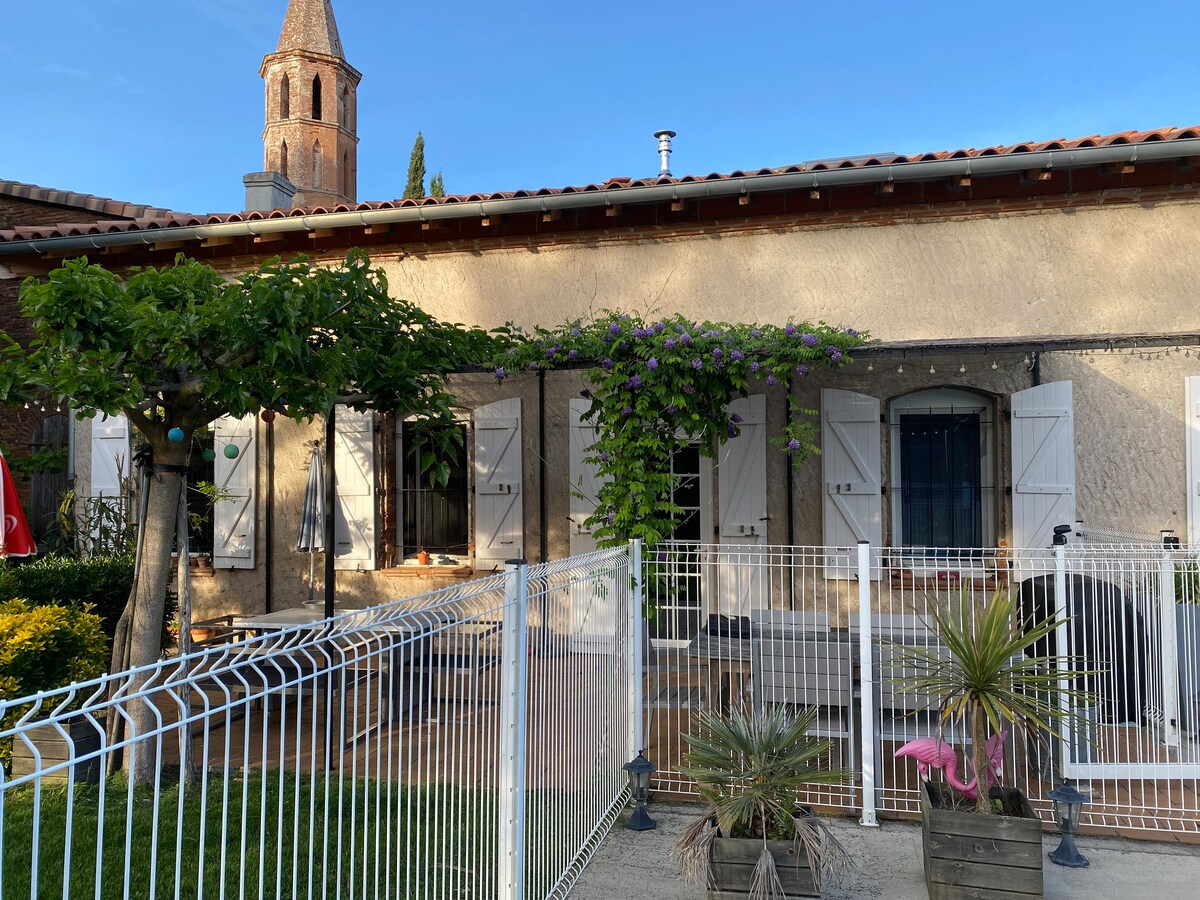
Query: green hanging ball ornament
x=175, y=435
x=209, y=454
x=230, y=451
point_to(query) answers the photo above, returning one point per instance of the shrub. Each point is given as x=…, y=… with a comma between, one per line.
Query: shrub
x=102, y=582
x=46, y=647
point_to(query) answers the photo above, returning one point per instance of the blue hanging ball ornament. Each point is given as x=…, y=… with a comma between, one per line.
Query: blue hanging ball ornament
x=230, y=451
x=209, y=454
x=175, y=435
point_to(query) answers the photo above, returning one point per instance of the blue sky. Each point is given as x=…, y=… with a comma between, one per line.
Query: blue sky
x=159, y=101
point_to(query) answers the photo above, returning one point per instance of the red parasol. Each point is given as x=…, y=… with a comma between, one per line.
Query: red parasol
x=15, y=539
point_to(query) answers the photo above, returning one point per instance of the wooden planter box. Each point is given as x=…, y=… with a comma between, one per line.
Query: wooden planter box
x=55, y=749
x=973, y=857
x=732, y=860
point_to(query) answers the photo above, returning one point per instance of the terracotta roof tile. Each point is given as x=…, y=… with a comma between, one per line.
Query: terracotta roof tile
x=142, y=218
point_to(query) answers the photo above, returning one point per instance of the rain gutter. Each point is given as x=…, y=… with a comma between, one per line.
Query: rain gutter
x=928, y=170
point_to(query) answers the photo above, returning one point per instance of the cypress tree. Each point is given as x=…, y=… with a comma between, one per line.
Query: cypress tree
x=415, y=188
x=437, y=185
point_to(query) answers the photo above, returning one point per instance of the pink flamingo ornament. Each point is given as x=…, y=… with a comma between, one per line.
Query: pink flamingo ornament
x=934, y=753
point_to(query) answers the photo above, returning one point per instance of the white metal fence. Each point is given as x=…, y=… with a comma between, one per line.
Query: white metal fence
x=447, y=746
x=817, y=626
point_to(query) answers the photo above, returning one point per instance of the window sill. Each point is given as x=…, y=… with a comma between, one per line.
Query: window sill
x=463, y=571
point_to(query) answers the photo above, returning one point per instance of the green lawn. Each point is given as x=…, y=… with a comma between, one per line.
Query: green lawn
x=276, y=819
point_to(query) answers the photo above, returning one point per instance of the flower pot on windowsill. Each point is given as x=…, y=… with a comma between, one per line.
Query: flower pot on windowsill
x=422, y=557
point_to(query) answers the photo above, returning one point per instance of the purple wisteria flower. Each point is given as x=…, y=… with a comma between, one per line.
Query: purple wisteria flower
x=633, y=383
x=575, y=332
x=532, y=367
x=802, y=369
x=712, y=334
x=671, y=410
x=735, y=418
x=755, y=332
x=669, y=343
x=627, y=410
x=659, y=327
x=790, y=330
x=852, y=332
x=793, y=445
x=810, y=340
x=500, y=373
x=625, y=317
x=608, y=339
x=754, y=366
x=643, y=332
x=679, y=328
x=685, y=338
x=688, y=389
x=834, y=353
x=717, y=353
x=737, y=355
x=571, y=354
x=652, y=363
x=607, y=364
x=662, y=556
x=771, y=380
x=614, y=328
x=732, y=430
x=612, y=517
x=697, y=363
x=604, y=456
x=550, y=351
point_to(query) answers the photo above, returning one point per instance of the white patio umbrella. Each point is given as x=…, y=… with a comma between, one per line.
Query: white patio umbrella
x=311, y=536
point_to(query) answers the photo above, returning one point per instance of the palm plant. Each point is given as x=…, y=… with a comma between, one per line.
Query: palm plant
x=988, y=680
x=749, y=767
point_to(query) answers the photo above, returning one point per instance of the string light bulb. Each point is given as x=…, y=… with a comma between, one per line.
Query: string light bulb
x=932, y=370
x=962, y=368
x=870, y=367
x=994, y=365
x=900, y=369
x=1026, y=359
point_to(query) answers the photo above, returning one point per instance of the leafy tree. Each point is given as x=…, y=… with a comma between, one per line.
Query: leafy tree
x=437, y=185
x=414, y=188
x=179, y=346
x=660, y=384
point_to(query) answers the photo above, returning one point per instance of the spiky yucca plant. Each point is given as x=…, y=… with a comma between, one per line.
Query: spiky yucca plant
x=749, y=767
x=987, y=680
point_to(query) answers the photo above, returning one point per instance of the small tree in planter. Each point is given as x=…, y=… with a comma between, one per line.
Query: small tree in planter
x=988, y=682
x=749, y=767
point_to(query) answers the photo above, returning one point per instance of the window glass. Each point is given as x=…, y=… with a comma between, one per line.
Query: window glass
x=435, y=518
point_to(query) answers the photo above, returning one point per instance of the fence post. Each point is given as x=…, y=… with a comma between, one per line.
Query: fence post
x=866, y=671
x=1170, y=649
x=513, y=668
x=636, y=650
x=1062, y=660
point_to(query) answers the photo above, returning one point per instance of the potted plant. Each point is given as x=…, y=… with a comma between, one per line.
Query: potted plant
x=753, y=838
x=979, y=673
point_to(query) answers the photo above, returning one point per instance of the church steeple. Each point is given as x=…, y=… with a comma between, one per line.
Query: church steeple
x=311, y=135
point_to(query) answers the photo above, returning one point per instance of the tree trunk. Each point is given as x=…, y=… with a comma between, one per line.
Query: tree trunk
x=979, y=758
x=153, y=578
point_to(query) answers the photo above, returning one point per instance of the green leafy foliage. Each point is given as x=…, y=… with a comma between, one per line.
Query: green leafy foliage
x=437, y=185
x=658, y=384
x=987, y=680
x=749, y=767
x=414, y=187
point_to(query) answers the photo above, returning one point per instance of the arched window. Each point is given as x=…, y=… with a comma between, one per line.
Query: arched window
x=346, y=176
x=316, y=166
x=283, y=159
x=285, y=98
x=346, y=102
x=316, y=97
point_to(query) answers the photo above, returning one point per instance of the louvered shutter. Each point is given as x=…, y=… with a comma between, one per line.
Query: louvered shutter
x=593, y=600
x=498, y=506
x=1043, y=462
x=354, y=471
x=851, y=473
x=1192, y=421
x=235, y=516
x=742, y=510
x=110, y=455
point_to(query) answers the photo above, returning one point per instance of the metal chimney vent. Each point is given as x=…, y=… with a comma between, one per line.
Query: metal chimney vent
x=664, y=152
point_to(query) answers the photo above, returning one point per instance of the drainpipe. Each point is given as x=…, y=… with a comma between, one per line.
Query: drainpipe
x=543, y=539
x=1035, y=367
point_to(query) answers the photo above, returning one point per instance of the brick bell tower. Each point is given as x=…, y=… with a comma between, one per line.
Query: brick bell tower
x=311, y=134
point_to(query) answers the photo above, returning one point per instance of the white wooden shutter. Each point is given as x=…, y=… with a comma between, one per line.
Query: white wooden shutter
x=110, y=455
x=1043, y=463
x=354, y=473
x=498, y=508
x=852, y=477
x=234, y=517
x=742, y=510
x=593, y=601
x=1191, y=400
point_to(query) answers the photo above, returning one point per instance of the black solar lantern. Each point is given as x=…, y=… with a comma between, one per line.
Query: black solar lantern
x=1068, y=803
x=639, y=770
